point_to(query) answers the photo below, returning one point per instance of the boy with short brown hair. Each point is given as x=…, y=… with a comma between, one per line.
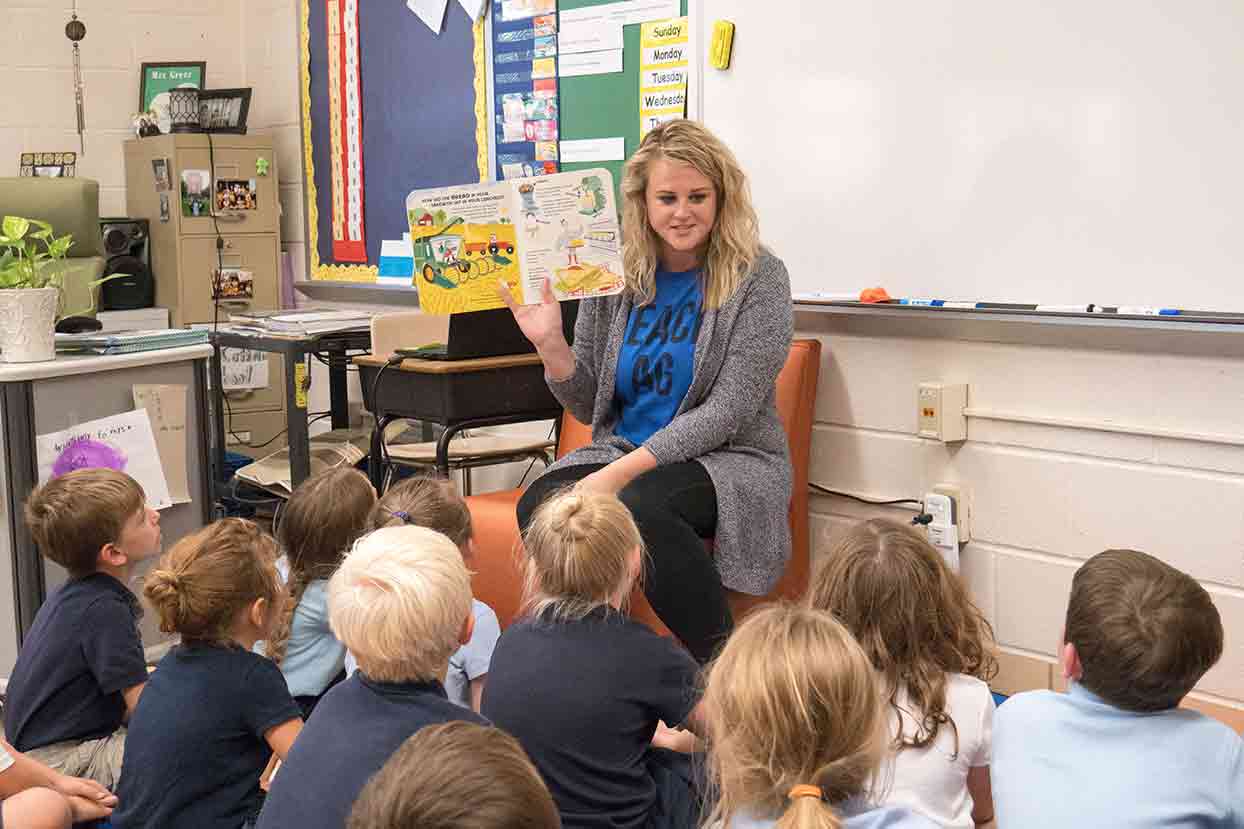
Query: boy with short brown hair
x=1116, y=750
x=81, y=667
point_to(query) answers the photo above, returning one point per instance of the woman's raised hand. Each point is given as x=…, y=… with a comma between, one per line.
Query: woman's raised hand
x=540, y=323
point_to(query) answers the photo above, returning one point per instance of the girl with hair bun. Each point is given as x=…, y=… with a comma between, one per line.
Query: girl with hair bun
x=582, y=686
x=214, y=712
x=795, y=728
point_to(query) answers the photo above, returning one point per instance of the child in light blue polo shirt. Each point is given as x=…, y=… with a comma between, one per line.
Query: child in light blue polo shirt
x=1116, y=750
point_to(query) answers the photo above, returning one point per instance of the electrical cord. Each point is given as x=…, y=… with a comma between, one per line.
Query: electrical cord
x=375, y=385
x=922, y=519
x=523, y=480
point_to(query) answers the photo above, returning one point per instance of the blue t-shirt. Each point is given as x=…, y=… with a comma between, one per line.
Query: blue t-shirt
x=313, y=655
x=583, y=698
x=1074, y=760
x=856, y=815
x=82, y=651
x=657, y=355
x=356, y=727
x=471, y=661
x=195, y=747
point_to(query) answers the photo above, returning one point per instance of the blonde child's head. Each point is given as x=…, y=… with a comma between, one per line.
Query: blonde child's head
x=401, y=603
x=791, y=702
x=583, y=551
x=481, y=779
x=217, y=581
x=1140, y=634
x=424, y=502
x=322, y=518
x=74, y=516
x=910, y=613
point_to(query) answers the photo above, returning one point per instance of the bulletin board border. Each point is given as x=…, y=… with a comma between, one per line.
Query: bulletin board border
x=369, y=273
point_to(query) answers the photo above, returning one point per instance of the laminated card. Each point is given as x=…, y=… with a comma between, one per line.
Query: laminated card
x=561, y=227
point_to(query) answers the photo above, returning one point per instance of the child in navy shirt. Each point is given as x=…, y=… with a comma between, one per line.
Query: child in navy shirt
x=81, y=667
x=582, y=686
x=213, y=712
x=1116, y=750
x=433, y=503
x=322, y=518
x=401, y=603
x=481, y=780
x=796, y=728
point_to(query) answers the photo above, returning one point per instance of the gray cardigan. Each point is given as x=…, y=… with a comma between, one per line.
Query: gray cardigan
x=728, y=420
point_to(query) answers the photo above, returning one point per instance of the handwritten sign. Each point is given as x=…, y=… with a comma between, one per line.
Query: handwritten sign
x=244, y=368
x=166, y=408
x=124, y=442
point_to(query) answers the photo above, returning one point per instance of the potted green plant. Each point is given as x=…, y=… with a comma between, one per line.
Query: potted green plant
x=29, y=288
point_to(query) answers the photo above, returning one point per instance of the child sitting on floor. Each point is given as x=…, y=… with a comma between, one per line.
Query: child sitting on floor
x=401, y=603
x=213, y=712
x=582, y=686
x=796, y=727
x=1116, y=750
x=933, y=650
x=432, y=503
x=322, y=518
x=481, y=780
x=34, y=796
x=81, y=667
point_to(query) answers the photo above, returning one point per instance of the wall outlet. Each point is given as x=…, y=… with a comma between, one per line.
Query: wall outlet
x=939, y=411
x=962, y=507
x=949, y=527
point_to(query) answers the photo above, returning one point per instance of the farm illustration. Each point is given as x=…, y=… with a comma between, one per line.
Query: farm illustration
x=564, y=229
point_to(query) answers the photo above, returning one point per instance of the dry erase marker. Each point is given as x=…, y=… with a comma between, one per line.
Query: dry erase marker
x=1066, y=309
x=952, y=304
x=928, y=303
x=1143, y=311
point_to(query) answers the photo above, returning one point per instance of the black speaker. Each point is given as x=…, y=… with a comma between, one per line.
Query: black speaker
x=126, y=250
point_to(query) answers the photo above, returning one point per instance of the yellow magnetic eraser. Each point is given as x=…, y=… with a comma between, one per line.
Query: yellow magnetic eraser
x=723, y=40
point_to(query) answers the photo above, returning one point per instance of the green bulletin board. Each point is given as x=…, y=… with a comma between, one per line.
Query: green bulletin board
x=604, y=106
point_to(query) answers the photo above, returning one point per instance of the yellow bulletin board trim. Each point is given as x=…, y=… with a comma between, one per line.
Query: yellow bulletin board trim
x=369, y=273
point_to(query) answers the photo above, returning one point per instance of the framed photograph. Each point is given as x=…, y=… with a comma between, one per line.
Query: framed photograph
x=224, y=110
x=196, y=192
x=158, y=78
x=236, y=194
x=233, y=283
x=159, y=169
x=50, y=165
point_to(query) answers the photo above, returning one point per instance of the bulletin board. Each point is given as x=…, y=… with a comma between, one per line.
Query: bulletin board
x=424, y=115
x=604, y=106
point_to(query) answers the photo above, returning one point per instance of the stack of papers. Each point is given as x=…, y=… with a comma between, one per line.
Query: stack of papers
x=310, y=321
x=125, y=342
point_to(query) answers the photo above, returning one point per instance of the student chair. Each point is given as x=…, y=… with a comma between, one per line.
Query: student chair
x=498, y=580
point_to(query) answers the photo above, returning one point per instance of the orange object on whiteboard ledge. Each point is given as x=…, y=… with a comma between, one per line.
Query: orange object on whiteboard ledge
x=874, y=295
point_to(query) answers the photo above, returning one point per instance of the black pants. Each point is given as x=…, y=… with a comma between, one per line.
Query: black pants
x=675, y=508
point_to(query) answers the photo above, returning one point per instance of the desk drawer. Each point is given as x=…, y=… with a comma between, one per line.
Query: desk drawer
x=255, y=427
x=199, y=259
x=449, y=398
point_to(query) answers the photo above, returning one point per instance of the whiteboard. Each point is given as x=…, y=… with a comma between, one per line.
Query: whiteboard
x=1056, y=152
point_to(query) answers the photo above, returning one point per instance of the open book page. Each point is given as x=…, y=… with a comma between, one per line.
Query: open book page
x=562, y=227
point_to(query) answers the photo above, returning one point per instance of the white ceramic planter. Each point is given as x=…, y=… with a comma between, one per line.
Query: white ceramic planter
x=27, y=324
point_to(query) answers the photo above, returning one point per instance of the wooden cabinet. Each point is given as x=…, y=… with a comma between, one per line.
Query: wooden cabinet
x=234, y=229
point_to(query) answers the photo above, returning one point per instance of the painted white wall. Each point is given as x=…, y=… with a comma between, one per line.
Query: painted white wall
x=36, y=74
x=1141, y=447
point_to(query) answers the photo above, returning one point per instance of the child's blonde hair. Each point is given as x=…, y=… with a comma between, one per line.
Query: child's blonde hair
x=911, y=614
x=399, y=602
x=73, y=516
x=202, y=585
x=579, y=547
x=791, y=701
x=322, y=518
x=424, y=502
x=457, y=775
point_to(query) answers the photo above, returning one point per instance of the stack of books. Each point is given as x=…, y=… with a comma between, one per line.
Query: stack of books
x=302, y=322
x=126, y=342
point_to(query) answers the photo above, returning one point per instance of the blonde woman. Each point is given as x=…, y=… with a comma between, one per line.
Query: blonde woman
x=796, y=728
x=676, y=376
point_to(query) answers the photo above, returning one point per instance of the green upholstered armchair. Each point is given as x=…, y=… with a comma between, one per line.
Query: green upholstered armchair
x=69, y=205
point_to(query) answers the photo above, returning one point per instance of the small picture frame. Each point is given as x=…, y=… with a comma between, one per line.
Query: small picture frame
x=49, y=165
x=159, y=169
x=224, y=110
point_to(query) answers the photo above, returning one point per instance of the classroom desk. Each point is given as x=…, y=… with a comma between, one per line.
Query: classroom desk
x=38, y=398
x=331, y=346
x=455, y=394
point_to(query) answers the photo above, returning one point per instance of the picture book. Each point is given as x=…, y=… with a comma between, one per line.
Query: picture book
x=561, y=227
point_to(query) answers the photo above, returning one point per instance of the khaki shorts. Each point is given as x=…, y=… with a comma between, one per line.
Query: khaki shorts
x=99, y=760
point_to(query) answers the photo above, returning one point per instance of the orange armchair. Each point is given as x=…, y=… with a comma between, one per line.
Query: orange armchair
x=498, y=580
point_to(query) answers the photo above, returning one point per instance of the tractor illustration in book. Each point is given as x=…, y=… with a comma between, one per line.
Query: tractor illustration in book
x=449, y=259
